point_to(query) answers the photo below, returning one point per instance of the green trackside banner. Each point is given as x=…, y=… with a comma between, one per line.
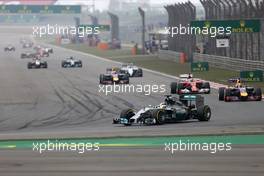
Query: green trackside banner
x=252, y=76
x=200, y=66
x=237, y=26
x=40, y=9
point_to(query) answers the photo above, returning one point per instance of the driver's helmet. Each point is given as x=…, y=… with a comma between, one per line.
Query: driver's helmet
x=238, y=83
x=189, y=76
x=169, y=101
x=162, y=105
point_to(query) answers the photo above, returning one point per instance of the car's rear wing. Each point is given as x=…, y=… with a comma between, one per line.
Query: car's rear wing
x=112, y=69
x=186, y=76
x=198, y=99
x=234, y=80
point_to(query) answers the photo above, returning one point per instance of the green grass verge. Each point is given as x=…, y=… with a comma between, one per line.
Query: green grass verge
x=154, y=63
x=138, y=142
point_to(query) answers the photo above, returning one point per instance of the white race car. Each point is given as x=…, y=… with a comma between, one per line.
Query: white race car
x=131, y=70
x=71, y=62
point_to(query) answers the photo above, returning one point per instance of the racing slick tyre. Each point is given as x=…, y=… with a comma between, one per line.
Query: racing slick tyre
x=127, y=114
x=140, y=72
x=221, y=94
x=101, y=79
x=206, y=85
x=63, y=64
x=159, y=116
x=29, y=66
x=258, y=93
x=45, y=65
x=80, y=64
x=204, y=113
x=174, y=88
x=227, y=95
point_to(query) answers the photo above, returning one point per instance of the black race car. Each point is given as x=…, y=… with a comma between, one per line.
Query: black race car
x=187, y=107
x=28, y=55
x=37, y=63
x=10, y=48
x=71, y=62
x=113, y=76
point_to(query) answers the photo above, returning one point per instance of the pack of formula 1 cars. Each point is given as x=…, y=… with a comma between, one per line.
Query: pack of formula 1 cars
x=188, y=105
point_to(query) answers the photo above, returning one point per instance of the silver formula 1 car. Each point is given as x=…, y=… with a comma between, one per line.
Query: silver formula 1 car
x=71, y=62
x=187, y=107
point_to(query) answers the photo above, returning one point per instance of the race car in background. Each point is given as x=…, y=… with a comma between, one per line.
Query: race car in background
x=239, y=92
x=43, y=49
x=189, y=85
x=71, y=62
x=37, y=63
x=28, y=55
x=131, y=70
x=113, y=76
x=187, y=107
x=9, y=48
x=27, y=45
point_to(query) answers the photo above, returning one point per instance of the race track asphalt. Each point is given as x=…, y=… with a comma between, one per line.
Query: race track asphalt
x=243, y=160
x=67, y=102
x=64, y=103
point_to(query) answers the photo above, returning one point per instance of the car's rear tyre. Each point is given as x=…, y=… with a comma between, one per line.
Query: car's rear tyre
x=140, y=72
x=221, y=94
x=29, y=66
x=174, y=88
x=101, y=79
x=62, y=64
x=159, y=116
x=258, y=93
x=127, y=114
x=204, y=113
x=227, y=95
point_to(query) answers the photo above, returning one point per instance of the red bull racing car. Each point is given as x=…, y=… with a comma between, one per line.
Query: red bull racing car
x=113, y=76
x=239, y=92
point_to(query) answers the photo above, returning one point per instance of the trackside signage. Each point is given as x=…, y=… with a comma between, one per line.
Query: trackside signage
x=252, y=76
x=40, y=9
x=237, y=26
x=200, y=66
